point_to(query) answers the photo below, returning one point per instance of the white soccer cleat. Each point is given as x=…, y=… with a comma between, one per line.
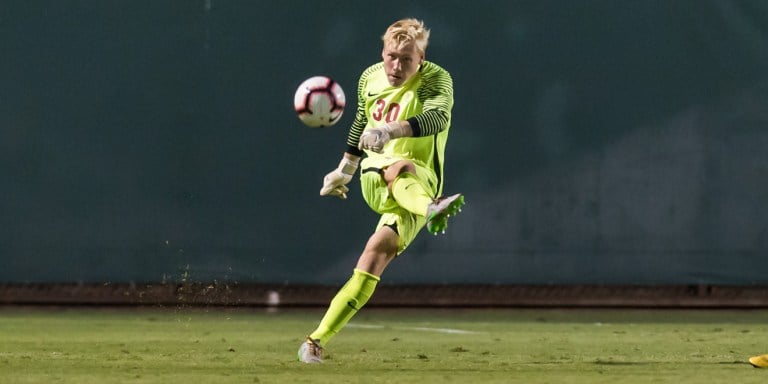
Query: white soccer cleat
x=310, y=351
x=440, y=210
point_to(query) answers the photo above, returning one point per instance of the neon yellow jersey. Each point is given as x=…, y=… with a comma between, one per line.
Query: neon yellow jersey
x=425, y=100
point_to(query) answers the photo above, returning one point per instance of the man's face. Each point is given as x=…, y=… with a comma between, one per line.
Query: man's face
x=401, y=64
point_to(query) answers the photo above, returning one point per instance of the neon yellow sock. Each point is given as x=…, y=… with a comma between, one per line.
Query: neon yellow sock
x=410, y=194
x=350, y=298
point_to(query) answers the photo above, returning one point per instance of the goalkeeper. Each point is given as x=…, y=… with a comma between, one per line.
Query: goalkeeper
x=397, y=142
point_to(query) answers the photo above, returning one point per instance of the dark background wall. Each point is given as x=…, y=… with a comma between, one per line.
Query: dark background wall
x=598, y=142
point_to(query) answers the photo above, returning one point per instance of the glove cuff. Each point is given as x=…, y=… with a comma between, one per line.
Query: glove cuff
x=395, y=129
x=347, y=166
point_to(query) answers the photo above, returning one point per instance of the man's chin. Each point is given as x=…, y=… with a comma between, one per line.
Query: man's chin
x=395, y=81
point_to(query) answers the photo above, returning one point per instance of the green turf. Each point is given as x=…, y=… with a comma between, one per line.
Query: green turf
x=43, y=345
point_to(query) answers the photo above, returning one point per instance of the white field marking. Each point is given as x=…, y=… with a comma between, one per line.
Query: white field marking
x=441, y=330
x=423, y=329
x=364, y=326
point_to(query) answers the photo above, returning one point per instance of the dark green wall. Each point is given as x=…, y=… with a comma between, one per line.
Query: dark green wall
x=601, y=142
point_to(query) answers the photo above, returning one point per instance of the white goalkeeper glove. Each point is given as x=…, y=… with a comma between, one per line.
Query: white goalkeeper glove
x=374, y=139
x=335, y=182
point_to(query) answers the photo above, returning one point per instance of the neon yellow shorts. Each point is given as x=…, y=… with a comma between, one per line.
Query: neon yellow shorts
x=377, y=195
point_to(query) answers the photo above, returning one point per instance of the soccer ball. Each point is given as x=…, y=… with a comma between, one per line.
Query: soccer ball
x=319, y=101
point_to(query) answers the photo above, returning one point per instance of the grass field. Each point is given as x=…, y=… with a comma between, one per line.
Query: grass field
x=228, y=345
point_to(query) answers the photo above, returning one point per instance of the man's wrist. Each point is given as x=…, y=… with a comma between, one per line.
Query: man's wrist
x=348, y=166
x=397, y=129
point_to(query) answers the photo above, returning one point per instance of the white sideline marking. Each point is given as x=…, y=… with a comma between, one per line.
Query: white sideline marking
x=364, y=326
x=424, y=329
x=442, y=330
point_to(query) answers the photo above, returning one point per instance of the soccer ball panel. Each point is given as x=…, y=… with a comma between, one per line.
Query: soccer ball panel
x=319, y=102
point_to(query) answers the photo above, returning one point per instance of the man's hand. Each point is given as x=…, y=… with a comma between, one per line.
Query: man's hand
x=335, y=182
x=374, y=139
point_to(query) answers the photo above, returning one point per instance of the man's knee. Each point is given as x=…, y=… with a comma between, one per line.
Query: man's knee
x=396, y=169
x=379, y=251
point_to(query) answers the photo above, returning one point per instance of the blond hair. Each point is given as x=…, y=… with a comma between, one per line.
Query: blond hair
x=406, y=31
